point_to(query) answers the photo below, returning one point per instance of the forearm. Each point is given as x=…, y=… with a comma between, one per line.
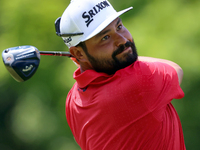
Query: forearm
x=174, y=65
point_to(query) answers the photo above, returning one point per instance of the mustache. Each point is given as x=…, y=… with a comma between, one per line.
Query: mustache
x=122, y=48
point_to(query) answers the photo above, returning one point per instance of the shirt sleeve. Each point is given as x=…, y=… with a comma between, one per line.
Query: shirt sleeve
x=159, y=84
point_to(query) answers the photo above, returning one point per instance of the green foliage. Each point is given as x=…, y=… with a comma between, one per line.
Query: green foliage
x=33, y=112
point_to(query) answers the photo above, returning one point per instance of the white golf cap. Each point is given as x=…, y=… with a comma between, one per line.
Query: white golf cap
x=84, y=19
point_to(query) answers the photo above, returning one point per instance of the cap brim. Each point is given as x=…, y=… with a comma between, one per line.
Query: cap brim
x=106, y=23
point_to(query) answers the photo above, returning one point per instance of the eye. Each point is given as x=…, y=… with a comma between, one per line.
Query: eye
x=105, y=38
x=119, y=27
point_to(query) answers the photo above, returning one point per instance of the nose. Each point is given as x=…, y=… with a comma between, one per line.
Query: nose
x=120, y=39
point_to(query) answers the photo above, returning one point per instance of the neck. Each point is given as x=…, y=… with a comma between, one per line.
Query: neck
x=84, y=67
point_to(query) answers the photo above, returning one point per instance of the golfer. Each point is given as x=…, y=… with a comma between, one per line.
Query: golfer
x=120, y=101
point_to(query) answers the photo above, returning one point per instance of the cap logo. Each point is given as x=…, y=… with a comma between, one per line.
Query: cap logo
x=92, y=12
x=67, y=40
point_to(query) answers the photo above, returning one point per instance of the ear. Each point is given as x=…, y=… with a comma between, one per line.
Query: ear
x=78, y=53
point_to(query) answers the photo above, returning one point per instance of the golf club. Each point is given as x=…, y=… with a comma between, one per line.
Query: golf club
x=23, y=61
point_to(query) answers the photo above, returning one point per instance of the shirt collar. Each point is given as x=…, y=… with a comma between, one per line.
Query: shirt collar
x=86, y=77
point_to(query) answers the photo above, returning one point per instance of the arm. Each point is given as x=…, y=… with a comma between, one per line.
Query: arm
x=174, y=65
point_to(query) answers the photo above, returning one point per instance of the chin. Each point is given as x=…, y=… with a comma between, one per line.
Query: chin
x=128, y=59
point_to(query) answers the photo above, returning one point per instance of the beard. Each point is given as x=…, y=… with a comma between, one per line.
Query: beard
x=110, y=66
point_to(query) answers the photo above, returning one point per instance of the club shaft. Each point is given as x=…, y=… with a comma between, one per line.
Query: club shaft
x=53, y=53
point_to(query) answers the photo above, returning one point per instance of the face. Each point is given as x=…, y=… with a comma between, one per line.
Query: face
x=112, y=49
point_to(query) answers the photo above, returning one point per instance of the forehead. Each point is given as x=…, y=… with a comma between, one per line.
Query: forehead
x=113, y=23
x=96, y=38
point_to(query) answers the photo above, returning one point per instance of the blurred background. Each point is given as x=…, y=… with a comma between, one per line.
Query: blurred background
x=32, y=113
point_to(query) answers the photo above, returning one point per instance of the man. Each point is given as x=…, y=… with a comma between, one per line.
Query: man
x=120, y=101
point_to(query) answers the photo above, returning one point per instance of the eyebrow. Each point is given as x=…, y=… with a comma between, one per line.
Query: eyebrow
x=108, y=30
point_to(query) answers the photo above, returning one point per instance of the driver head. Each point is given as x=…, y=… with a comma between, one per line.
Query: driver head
x=22, y=61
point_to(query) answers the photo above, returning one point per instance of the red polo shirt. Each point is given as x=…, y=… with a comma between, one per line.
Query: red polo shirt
x=130, y=110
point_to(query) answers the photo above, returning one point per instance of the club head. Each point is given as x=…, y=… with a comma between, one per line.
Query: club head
x=22, y=61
